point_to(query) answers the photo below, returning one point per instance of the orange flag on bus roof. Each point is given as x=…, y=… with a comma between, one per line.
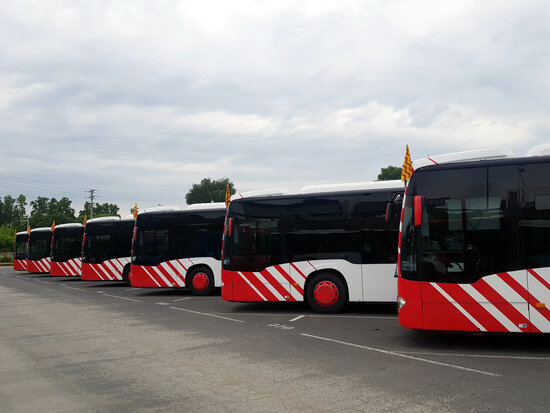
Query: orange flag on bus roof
x=135, y=211
x=53, y=225
x=408, y=169
x=85, y=220
x=227, y=196
x=28, y=229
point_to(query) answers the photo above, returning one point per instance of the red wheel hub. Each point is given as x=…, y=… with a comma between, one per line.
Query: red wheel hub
x=200, y=281
x=326, y=293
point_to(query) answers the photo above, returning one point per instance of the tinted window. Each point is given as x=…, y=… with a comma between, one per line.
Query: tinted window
x=21, y=243
x=67, y=244
x=40, y=245
x=107, y=240
x=535, y=215
x=465, y=230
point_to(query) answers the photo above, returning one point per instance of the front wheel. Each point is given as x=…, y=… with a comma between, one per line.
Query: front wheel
x=126, y=274
x=200, y=281
x=326, y=293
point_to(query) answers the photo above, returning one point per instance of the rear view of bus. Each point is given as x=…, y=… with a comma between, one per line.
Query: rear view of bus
x=67, y=250
x=106, y=249
x=20, y=251
x=179, y=248
x=326, y=245
x=38, y=254
x=475, y=244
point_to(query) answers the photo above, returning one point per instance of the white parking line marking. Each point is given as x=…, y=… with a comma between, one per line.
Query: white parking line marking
x=206, y=314
x=393, y=353
x=44, y=282
x=489, y=356
x=162, y=303
x=128, y=289
x=310, y=315
x=72, y=288
x=181, y=299
x=123, y=298
x=297, y=318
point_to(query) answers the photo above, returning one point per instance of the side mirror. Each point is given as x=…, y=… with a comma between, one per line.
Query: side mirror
x=417, y=211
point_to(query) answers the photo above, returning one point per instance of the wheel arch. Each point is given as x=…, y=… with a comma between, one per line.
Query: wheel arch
x=195, y=267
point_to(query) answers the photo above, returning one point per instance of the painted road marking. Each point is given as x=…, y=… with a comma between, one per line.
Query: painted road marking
x=393, y=353
x=281, y=326
x=297, y=318
x=311, y=315
x=162, y=303
x=72, y=288
x=489, y=356
x=122, y=298
x=181, y=299
x=207, y=314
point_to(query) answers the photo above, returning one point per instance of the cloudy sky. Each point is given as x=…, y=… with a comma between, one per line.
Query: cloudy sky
x=141, y=99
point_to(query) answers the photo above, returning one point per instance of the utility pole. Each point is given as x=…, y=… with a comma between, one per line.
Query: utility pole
x=92, y=199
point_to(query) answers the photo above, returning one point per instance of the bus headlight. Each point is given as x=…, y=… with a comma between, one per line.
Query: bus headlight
x=400, y=303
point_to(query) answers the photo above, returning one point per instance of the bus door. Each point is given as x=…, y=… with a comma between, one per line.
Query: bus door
x=535, y=236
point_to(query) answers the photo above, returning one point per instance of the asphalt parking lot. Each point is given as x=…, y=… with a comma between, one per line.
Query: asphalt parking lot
x=73, y=345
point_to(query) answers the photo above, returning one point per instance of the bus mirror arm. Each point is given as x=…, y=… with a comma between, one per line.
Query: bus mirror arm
x=417, y=210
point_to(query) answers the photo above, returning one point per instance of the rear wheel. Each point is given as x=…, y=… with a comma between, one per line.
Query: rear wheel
x=200, y=281
x=326, y=293
x=126, y=274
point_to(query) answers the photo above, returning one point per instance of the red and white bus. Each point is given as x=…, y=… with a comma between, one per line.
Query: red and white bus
x=38, y=253
x=179, y=248
x=106, y=249
x=67, y=250
x=475, y=244
x=327, y=245
x=21, y=244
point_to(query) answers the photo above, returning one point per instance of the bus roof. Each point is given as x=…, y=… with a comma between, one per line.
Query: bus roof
x=70, y=225
x=261, y=192
x=353, y=186
x=103, y=219
x=41, y=229
x=157, y=209
x=476, y=155
x=209, y=205
x=22, y=232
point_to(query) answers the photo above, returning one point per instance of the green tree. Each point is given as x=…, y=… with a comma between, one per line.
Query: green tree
x=209, y=191
x=389, y=173
x=45, y=211
x=12, y=212
x=100, y=210
x=7, y=237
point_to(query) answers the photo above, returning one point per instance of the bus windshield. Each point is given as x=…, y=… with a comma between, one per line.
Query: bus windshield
x=21, y=244
x=104, y=241
x=39, y=245
x=67, y=244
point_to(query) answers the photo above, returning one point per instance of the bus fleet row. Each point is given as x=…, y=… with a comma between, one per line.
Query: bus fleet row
x=470, y=234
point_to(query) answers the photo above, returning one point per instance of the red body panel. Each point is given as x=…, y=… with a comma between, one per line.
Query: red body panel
x=20, y=265
x=70, y=268
x=38, y=266
x=504, y=302
x=162, y=275
x=110, y=270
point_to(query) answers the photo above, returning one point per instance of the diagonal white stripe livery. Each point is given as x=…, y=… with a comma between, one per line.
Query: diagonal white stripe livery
x=172, y=274
x=270, y=287
x=292, y=291
x=150, y=276
x=491, y=309
x=251, y=286
x=458, y=306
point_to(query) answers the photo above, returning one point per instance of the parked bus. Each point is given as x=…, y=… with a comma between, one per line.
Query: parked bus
x=38, y=253
x=20, y=251
x=67, y=250
x=475, y=244
x=106, y=249
x=179, y=248
x=327, y=245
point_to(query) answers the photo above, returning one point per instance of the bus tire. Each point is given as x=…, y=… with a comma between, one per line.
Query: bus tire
x=126, y=274
x=200, y=281
x=326, y=293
